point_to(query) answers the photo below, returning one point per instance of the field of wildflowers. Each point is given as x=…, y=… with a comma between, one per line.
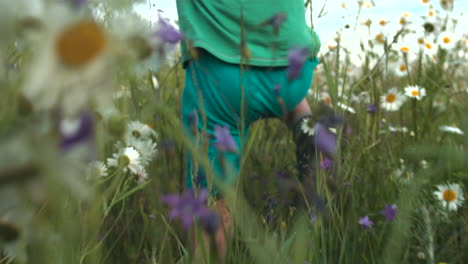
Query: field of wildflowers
x=92, y=146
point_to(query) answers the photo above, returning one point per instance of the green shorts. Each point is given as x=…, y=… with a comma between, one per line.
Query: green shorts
x=217, y=90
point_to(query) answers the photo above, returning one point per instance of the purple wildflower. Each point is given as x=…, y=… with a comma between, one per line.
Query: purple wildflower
x=389, y=212
x=325, y=139
x=79, y=3
x=224, y=140
x=313, y=217
x=187, y=207
x=296, y=59
x=371, y=108
x=276, y=21
x=277, y=89
x=80, y=131
x=365, y=222
x=326, y=163
x=168, y=33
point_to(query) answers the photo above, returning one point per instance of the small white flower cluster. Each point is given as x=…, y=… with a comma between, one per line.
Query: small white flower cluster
x=133, y=154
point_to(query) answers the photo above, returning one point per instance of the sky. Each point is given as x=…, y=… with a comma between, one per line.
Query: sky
x=334, y=16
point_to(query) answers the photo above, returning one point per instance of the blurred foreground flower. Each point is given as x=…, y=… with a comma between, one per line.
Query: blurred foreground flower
x=450, y=195
x=75, y=131
x=389, y=212
x=80, y=43
x=275, y=21
x=365, y=222
x=451, y=129
x=224, y=141
x=168, y=33
x=188, y=207
x=296, y=59
x=415, y=92
x=325, y=140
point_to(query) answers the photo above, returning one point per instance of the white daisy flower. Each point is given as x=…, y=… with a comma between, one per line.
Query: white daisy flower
x=446, y=40
x=446, y=5
x=308, y=126
x=392, y=100
x=96, y=169
x=404, y=48
x=325, y=97
x=122, y=92
x=451, y=129
x=430, y=48
x=402, y=69
x=415, y=92
x=155, y=82
x=139, y=131
x=141, y=174
x=128, y=158
x=404, y=175
x=380, y=38
x=424, y=164
x=146, y=148
x=346, y=108
x=450, y=195
x=398, y=129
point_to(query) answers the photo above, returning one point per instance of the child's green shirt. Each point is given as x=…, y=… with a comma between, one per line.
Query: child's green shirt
x=221, y=26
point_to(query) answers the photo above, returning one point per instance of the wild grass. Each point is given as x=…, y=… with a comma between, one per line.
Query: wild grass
x=51, y=212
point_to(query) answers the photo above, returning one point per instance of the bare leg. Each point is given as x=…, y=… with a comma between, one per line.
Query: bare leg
x=301, y=110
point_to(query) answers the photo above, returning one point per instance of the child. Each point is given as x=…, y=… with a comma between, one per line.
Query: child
x=245, y=60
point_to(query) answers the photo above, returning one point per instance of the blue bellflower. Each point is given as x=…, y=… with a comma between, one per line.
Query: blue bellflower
x=296, y=59
x=83, y=133
x=168, y=33
x=389, y=212
x=275, y=21
x=79, y=3
x=325, y=139
x=187, y=207
x=365, y=222
x=224, y=141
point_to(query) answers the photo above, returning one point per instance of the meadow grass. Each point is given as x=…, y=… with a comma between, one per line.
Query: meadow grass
x=54, y=209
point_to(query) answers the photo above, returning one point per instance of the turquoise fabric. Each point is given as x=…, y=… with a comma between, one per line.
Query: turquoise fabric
x=218, y=27
x=213, y=87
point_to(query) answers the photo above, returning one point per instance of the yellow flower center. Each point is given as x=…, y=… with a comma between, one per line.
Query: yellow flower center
x=403, y=68
x=449, y=195
x=421, y=41
x=136, y=133
x=428, y=45
x=446, y=40
x=402, y=21
x=383, y=22
x=80, y=43
x=123, y=161
x=415, y=93
x=425, y=1
x=390, y=98
x=431, y=13
x=380, y=38
x=404, y=49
